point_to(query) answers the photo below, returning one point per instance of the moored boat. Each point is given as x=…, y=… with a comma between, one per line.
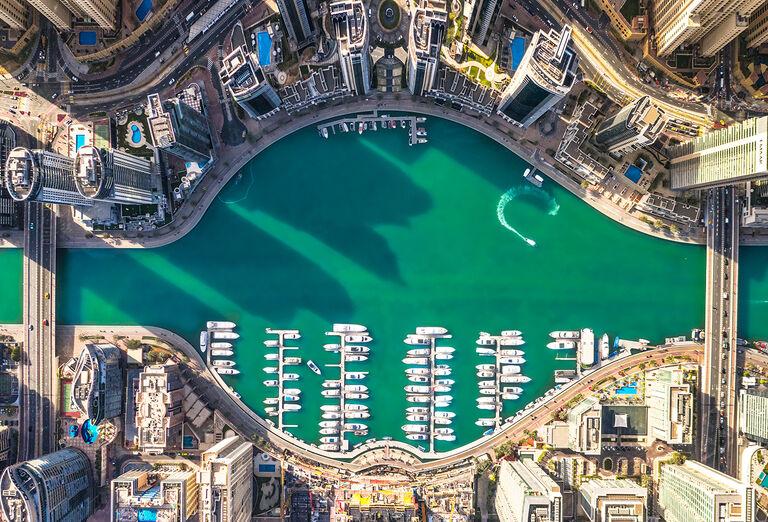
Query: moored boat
x=330, y=407
x=290, y=376
x=445, y=438
x=564, y=334
x=485, y=422
x=331, y=384
x=356, y=376
x=358, y=338
x=515, y=379
x=222, y=353
x=271, y=382
x=329, y=431
x=223, y=363
x=415, y=417
x=221, y=345
x=355, y=358
x=226, y=371
x=270, y=369
x=485, y=374
x=417, y=371
x=356, y=396
x=271, y=343
x=431, y=330
x=216, y=334
x=510, y=369
x=331, y=393
x=417, y=340
x=220, y=325
x=203, y=341
x=511, y=333
x=416, y=360
x=414, y=428
x=418, y=352
x=562, y=345
x=418, y=398
x=511, y=341
x=417, y=409
x=485, y=351
x=416, y=436
x=512, y=360
x=418, y=378
x=413, y=388
x=349, y=328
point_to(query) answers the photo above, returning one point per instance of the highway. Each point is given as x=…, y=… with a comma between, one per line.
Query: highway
x=718, y=426
x=37, y=410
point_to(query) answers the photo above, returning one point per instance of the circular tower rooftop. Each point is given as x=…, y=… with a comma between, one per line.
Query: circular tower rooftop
x=22, y=176
x=90, y=178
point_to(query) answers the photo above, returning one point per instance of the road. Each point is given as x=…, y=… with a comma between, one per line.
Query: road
x=37, y=409
x=718, y=426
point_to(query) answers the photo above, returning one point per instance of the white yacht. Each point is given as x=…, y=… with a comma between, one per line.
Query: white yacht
x=510, y=369
x=562, y=345
x=331, y=347
x=312, y=366
x=329, y=447
x=511, y=333
x=223, y=363
x=330, y=407
x=290, y=376
x=355, y=388
x=221, y=345
x=222, y=353
x=203, y=340
x=355, y=358
x=485, y=351
x=484, y=406
x=418, y=378
x=445, y=349
x=329, y=424
x=331, y=393
x=442, y=388
x=415, y=417
x=605, y=347
x=416, y=360
x=418, y=398
x=486, y=423
x=486, y=400
x=510, y=396
x=292, y=336
x=441, y=421
x=269, y=356
x=444, y=382
x=331, y=415
x=292, y=361
x=431, y=330
x=442, y=404
x=417, y=371
x=225, y=335
x=443, y=356
x=565, y=334
x=355, y=426
x=271, y=400
x=413, y=388
x=511, y=341
x=271, y=343
x=292, y=391
x=416, y=340
x=329, y=440
x=271, y=382
x=291, y=398
x=220, y=325
x=445, y=438
x=486, y=341
x=356, y=348
x=331, y=384
x=514, y=379
x=355, y=396
x=358, y=338
x=415, y=428
x=511, y=353
x=443, y=431
x=270, y=369
x=226, y=371
x=417, y=409
x=485, y=374
x=486, y=367
x=417, y=436
x=356, y=407
x=357, y=414
x=487, y=391
x=329, y=431
x=487, y=384
x=356, y=376
x=419, y=352
x=512, y=360
x=349, y=328
x=443, y=398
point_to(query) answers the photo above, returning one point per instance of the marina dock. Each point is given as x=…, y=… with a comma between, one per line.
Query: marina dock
x=281, y=349
x=374, y=122
x=506, y=352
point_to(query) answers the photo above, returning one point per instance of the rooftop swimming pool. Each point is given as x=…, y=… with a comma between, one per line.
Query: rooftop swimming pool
x=87, y=38
x=143, y=10
x=517, y=48
x=79, y=141
x=264, y=42
x=633, y=173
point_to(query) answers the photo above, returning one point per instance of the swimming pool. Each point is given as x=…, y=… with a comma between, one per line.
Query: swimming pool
x=630, y=389
x=143, y=10
x=517, y=48
x=87, y=38
x=79, y=141
x=264, y=42
x=135, y=133
x=633, y=173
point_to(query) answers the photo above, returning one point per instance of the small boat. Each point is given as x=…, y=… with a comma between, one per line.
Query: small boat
x=445, y=438
x=270, y=411
x=361, y=128
x=418, y=398
x=565, y=334
x=291, y=398
x=418, y=378
x=605, y=346
x=443, y=431
x=290, y=376
x=416, y=340
x=486, y=400
x=413, y=388
x=358, y=338
x=292, y=336
x=486, y=367
x=487, y=384
x=445, y=382
x=355, y=388
x=236, y=395
x=331, y=393
x=291, y=361
x=442, y=404
x=485, y=422
x=270, y=369
x=226, y=371
x=221, y=345
x=329, y=440
x=416, y=436
x=329, y=431
x=220, y=325
x=224, y=335
x=417, y=409
x=512, y=389
x=331, y=384
x=510, y=369
x=329, y=447
x=416, y=360
x=271, y=343
x=349, y=328
x=443, y=398
x=356, y=407
x=224, y=363
x=419, y=352
x=444, y=349
x=485, y=374
x=292, y=391
x=488, y=391
x=271, y=382
x=222, y=353
x=268, y=356
x=485, y=351
x=356, y=348
x=431, y=330
x=357, y=414
x=444, y=414
x=414, y=428
x=330, y=407
x=312, y=366
x=562, y=345
x=344, y=126
x=203, y=340
x=511, y=341
x=512, y=360
x=417, y=371
x=442, y=388
x=510, y=396
x=415, y=417
x=324, y=132
x=511, y=353
x=511, y=333
x=443, y=356
x=442, y=372
x=486, y=341
x=355, y=358
x=356, y=376
x=355, y=396
x=331, y=347
x=271, y=400
x=331, y=415
x=443, y=421
x=355, y=426
x=483, y=406
x=329, y=424
x=509, y=379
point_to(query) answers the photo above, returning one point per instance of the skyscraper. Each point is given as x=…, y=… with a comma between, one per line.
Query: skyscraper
x=226, y=482
x=248, y=84
x=113, y=175
x=351, y=27
x=97, y=388
x=693, y=491
x=425, y=39
x=179, y=129
x=58, y=487
x=724, y=156
x=544, y=77
x=295, y=15
x=484, y=12
x=607, y=500
x=55, y=11
x=167, y=491
x=103, y=12
x=159, y=408
x=753, y=415
x=633, y=127
x=39, y=175
x=13, y=13
x=526, y=492
x=670, y=407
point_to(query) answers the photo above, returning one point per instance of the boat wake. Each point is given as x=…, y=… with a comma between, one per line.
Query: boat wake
x=237, y=182
x=526, y=190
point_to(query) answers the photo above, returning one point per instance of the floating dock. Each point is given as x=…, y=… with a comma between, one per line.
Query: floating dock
x=372, y=122
x=499, y=343
x=281, y=349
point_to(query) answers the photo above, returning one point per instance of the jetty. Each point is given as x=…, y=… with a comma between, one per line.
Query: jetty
x=281, y=349
x=373, y=122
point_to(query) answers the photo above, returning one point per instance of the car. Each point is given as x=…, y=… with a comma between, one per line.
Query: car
x=171, y=81
x=45, y=322
x=32, y=225
x=589, y=29
x=31, y=327
x=54, y=95
x=47, y=295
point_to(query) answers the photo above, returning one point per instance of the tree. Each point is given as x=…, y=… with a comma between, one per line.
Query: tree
x=133, y=344
x=15, y=353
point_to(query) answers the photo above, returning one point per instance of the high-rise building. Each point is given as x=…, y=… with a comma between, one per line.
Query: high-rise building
x=55, y=11
x=753, y=415
x=179, y=129
x=103, y=12
x=714, y=22
x=670, y=407
x=248, y=84
x=97, y=387
x=13, y=13
x=484, y=12
x=40, y=175
x=585, y=426
x=633, y=127
x=544, y=77
x=113, y=175
x=612, y=500
x=226, y=482
x=168, y=492
x=693, y=491
x=350, y=25
x=425, y=39
x=295, y=15
x=734, y=154
x=526, y=492
x=159, y=412
x=57, y=487
x=757, y=32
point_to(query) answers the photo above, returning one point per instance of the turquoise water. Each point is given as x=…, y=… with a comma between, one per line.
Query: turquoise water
x=135, y=133
x=79, y=141
x=375, y=232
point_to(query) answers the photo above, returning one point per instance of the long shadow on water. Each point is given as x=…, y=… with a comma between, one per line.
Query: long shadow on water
x=753, y=292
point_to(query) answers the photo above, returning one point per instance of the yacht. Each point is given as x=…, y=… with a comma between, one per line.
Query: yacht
x=444, y=349
x=511, y=333
x=442, y=404
x=349, y=328
x=487, y=391
x=331, y=384
x=291, y=361
x=331, y=393
x=203, y=340
x=485, y=351
x=224, y=335
x=487, y=400
x=417, y=409
x=329, y=440
x=357, y=414
x=443, y=431
x=226, y=371
x=443, y=356
x=355, y=388
x=222, y=353
x=510, y=396
x=486, y=341
x=445, y=382
x=514, y=379
x=331, y=415
x=562, y=345
x=442, y=388
x=355, y=426
x=415, y=428
x=413, y=388
x=605, y=347
x=486, y=367
x=356, y=376
x=355, y=396
x=268, y=356
x=485, y=374
x=511, y=341
x=356, y=348
x=291, y=398
x=356, y=407
x=512, y=389
x=485, y=422
x=270, y=411
x=416, y=360
x=564, y=334
x=224, y=363
x=358, y=338
x=271, y=382
x=330, y=407
x=418, y=398
x=443, y=398
x=271, y=343
x=329, y=447
x=329, y=424
x=487, y=384
x=511, y=353
x=292, y=391
x=484, y=406
x=355, y=358
x=220, y=325
x=445, y=438
x=312, y=366
x=418, y=378
x=290, y=376
x=271, y=400
x=510, y=369
x=442, y=421
x=512, y=360
x=417, y=371
x=331, y=347
x=221, y=345
x=417, y=436
x=419, y=352
x=415, y=417
x=270, y=369
x=329, y=431
x=416, y=340
x=292, y=336
x=444, y=414
x=431, y=330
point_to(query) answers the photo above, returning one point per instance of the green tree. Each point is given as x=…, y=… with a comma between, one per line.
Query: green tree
x=133, y=344
x=15, y=353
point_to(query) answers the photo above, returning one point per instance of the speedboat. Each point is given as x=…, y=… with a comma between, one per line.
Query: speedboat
x=444, y=382
x=291, y=398
x=329, y=447
x=419, y=352
x=565, y=334
x=355, y=426
x=358, y=338
x=511, y=353
x=416, y=340
x=486, y=341
x=485, y=351
x=485, y=422
x=485, y=374
x=484, y=406
x=220, y=325
x=512, y=389
x=509, y=379
x=356, y=407
x=562, y=345
x=225, y=335
x=418, y=398
x=224, y=363
x=223, y=353
x=416, y=436
x=414, y=428
x=271, y=382
x=443, y=421
x=330, y=407
x=510, y=369
x=443, y=431
x=329, y=424
x=290, y=376
x=605, y=346
x=226, y=371
x=271, y=400
x=445, y=438
x=511, y=333
x=416, y=360
x=486, y=367
x=417, y=371
x=329, y=440
x=443, y=356
x=415, y=417
x=418, y=378
x=357, y=414
x=331, y=393
x=221, y=345
x=356, y=376
x=413, y=388
x=203, y=340
x=431, y=330
x=331, y=415
x=271, y=343
x=291, y=361
x=356, y=348
x=445, y=349
x=355, y=396
x=355, y=358
x=488, y=391
x=331, y=347
x=512, y=360
x=349, y=328
x=511, y=341
x=444, y=414
x=331, y=384
x=312, y=366
x=292, y=336
x=267, y=356
x=442, y=388
x=417, y=409
x=329, y=431
x=270, y=369
x=510, y=396
x=487, y=384
x=355, y=388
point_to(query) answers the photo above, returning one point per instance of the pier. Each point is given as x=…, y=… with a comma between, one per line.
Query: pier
x=281, y=348
x=508, y=340
x=374, y=122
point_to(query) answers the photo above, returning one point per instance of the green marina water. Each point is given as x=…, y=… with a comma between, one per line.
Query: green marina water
x=366, y=229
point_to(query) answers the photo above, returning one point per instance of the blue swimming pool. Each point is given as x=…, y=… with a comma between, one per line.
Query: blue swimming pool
x=266, y=468
x=90, y=432
x=79, y=141
x=633, y=173
x=135, y=134
x=627, y=390
x=143, y=10
x=264, y=41
x=87, y=38
x=517, y=48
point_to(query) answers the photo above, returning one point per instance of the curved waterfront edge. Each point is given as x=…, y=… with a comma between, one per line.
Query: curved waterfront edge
x=235, y=159
x=410, y=459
